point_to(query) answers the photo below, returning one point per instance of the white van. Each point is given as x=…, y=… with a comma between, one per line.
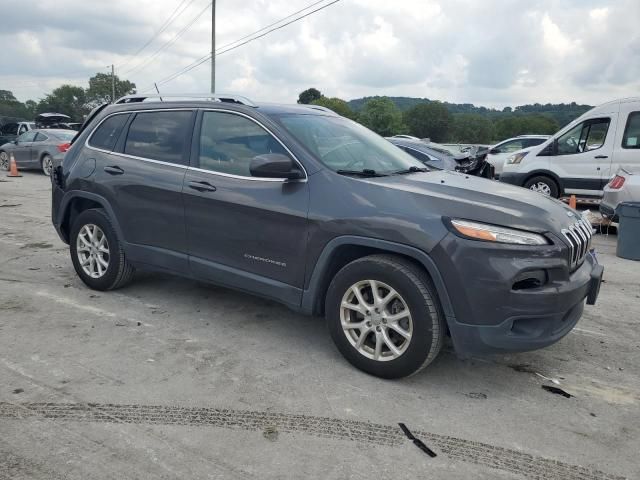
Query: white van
x=581, y=158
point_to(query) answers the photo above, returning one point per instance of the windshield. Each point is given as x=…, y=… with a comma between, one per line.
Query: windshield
x=344, y=145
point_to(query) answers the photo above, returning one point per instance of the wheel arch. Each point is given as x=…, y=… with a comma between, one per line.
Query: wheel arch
x=76, y=202
x=343, y=250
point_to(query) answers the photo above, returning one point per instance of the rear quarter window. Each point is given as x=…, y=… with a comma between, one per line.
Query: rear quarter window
x=159, y=136
x=107, y=133
x=631, y=137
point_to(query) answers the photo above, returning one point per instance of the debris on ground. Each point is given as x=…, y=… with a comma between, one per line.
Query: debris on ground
x=270, y=432
x=417, y=442
x=556, y=390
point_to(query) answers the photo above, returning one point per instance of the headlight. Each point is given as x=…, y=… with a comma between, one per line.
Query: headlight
x=493, y=233
x=516, y=158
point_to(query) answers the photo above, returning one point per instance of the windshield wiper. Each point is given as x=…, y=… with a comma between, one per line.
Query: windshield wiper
x=365, y=172
x=412, y=169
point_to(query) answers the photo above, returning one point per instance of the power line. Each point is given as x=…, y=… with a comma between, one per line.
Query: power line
x=170, y=42
x=276, y=28
x=233, y=45
x=170, y=19
x=271, y=24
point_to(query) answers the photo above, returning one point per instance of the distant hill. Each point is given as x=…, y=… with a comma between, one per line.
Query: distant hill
x=563, y=113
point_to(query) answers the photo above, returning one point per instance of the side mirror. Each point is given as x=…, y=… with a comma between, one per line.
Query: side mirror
x=15, y=142
x=494, y=151
x=275, y=165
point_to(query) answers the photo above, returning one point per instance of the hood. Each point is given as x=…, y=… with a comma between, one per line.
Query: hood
x=468, y=197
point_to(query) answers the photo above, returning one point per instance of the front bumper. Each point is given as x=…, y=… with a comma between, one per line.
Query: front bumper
x=513, y=178
x=493, y=313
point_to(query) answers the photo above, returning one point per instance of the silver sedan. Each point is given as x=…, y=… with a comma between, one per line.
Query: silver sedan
x=624, y=187
x=36, y=149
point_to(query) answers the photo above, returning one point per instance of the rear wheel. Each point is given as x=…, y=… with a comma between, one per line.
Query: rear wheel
x=544, y=185
x=383, y=315
x=47, y=164
x=96, y=252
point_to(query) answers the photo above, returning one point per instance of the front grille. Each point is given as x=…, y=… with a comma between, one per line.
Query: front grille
x=578, y=237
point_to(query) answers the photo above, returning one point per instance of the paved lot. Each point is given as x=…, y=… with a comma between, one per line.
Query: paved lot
x=170, y=378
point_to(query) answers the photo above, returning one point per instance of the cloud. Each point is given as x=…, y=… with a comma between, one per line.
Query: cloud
x=495, y=52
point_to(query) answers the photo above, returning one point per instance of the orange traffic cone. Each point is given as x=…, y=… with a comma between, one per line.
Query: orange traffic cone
x=13, y=168
x=572, y=201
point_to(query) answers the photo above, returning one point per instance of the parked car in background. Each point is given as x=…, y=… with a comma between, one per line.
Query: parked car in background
x=407, y=137
x=499, y=152
x=36, y=148
x=434, y=155
x=582, y=156
x=51, y=120
x=70, y=125
x=624, y=187
x=10, y=131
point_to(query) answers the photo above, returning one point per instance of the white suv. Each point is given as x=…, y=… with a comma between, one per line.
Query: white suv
x=501, y=151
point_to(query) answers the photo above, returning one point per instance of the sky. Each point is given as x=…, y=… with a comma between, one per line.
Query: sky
x=487, y=52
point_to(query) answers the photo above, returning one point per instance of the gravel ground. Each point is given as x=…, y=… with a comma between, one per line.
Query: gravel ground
x=170, y=378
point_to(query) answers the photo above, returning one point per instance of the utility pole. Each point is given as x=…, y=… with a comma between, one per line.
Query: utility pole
x=213, y=46
x=113, y=84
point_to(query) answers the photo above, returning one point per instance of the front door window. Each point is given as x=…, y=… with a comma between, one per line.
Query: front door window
x=586, y=136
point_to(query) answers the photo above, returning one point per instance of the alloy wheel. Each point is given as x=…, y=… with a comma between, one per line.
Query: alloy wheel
x=541, y=187
x=92, y=248
x=47, y=165
x=376, y=320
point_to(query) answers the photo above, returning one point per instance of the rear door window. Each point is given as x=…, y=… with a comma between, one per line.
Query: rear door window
x=161, y=136
x=40, y=137
x=106, y=135
x=631, y=138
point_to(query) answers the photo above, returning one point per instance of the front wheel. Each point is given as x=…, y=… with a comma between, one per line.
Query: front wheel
x=544, y=185
x=47, y=164
x=383, y=315
x=4, y=160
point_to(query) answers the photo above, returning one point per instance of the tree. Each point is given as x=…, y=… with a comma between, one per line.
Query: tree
x=7, y=96
x=12, y=108
x=383, y=117
x=525, y=125
x=309, y=95
x=429, y=120
x=67, y=99
x=99, y=90
x=471, y=128
x=337, y=105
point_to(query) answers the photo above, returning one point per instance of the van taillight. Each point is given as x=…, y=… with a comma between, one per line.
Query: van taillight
x=616, y=183
x=64, y=147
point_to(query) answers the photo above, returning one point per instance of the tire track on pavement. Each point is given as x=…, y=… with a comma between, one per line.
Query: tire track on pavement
x=478, y=453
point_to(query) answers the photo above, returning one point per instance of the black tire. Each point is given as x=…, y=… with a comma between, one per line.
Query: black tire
x=46, y=164
x=554, y=190
x=415, y=287
x=119, y=271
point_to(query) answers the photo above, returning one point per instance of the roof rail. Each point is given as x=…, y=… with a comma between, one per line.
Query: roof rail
x=176, y=97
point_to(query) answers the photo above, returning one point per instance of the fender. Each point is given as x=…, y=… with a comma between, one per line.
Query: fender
x=65, y=204
x=310, y=295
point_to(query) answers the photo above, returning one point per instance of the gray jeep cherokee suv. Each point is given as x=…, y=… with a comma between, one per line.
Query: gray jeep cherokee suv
x=302, y=206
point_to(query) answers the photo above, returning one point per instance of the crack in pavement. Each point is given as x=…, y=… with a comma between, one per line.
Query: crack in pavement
x=478, y=453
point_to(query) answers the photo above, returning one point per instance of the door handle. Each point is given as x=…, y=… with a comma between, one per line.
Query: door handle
x=601, y=156
x=114, y=170
x=202, y=186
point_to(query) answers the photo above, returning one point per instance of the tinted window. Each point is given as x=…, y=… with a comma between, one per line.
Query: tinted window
x=106, y=135
x=423, y=157
x=40, y=137
x=532, y=142
x=228, y=143
x=159, y=136
x=588, y=135
x=9, y=129
x=631, y=138
x=27, y=137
